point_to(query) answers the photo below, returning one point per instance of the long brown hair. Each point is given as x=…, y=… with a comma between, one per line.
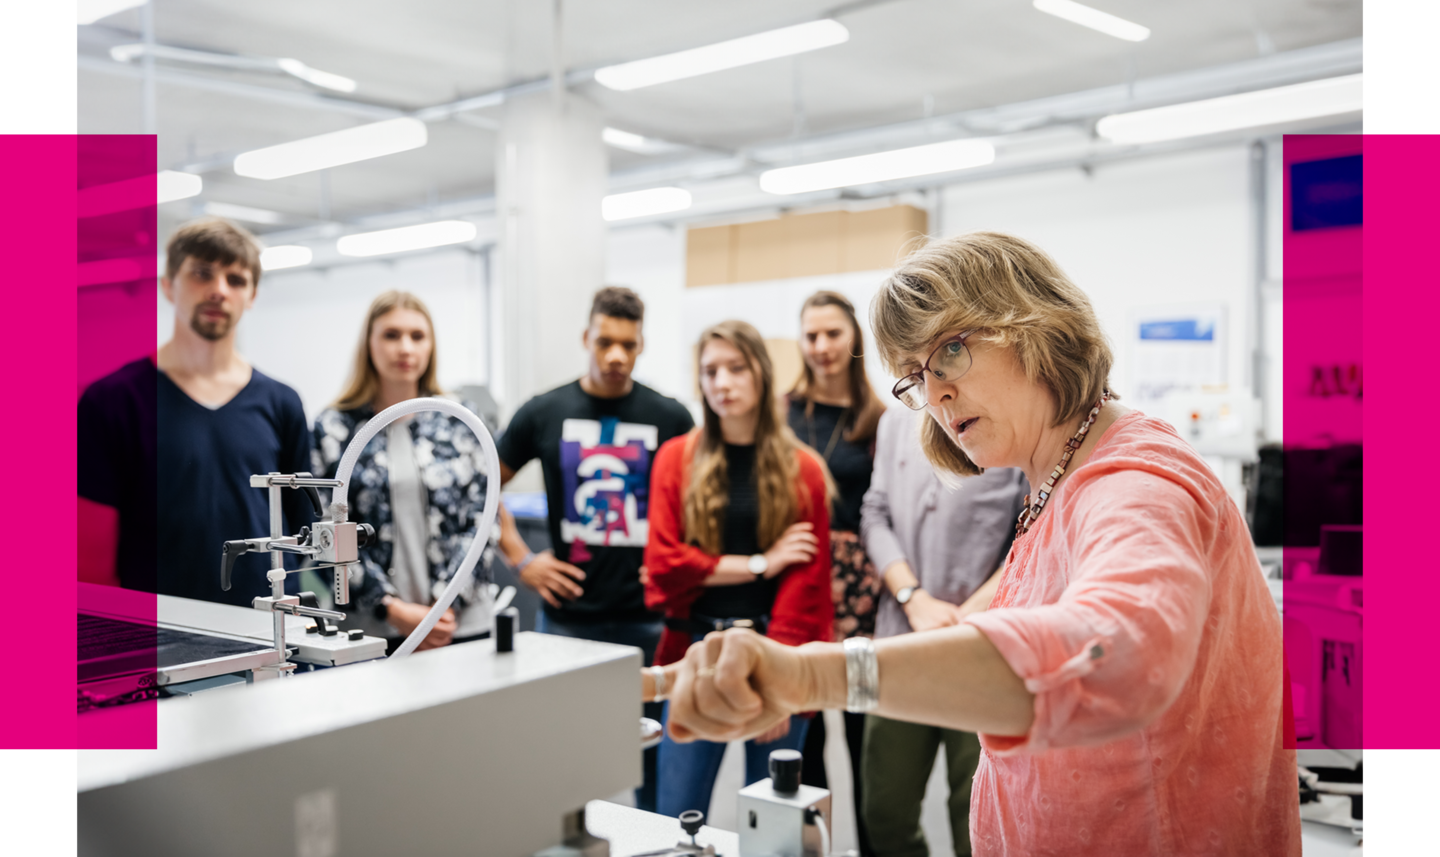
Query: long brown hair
x=364, y=382
x=777, y=464
x=865, y=406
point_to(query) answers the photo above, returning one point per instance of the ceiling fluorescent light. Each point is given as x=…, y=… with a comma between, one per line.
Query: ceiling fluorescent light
x=622, y=139
x=635, y=143
x=332, y=150
x=405, y=238
x=1310, y=100
x=285, y=256
x=337, y=82
x=879, y=167
x=245, y=213
x=171, y=186
x=91, y=11
x=1078, y=13
x=643, y=203
x=139, y=192
x=773, y=44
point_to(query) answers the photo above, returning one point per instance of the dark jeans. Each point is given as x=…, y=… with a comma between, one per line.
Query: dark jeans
x=689, y=770
x=642, y=635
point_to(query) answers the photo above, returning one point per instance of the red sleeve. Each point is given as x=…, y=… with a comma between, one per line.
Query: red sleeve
x=803, y=611
x=677, y=570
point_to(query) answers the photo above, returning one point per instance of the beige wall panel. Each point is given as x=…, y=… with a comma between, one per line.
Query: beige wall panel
x=786, y=361
x=880, y=238
x=813, y=244
x=710, y=256
x=762, y=251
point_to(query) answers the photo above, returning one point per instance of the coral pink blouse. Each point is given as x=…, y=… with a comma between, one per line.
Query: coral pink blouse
x=1136, y=612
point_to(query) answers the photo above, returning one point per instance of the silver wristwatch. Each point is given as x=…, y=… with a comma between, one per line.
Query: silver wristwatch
x=758, y=564
x=905, y=594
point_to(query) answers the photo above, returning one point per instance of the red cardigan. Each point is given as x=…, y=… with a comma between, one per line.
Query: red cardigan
x=802, y=611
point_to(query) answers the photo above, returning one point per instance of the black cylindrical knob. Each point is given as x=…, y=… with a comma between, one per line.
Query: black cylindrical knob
x=691, y=820
x=505, y=622
x=785, y=771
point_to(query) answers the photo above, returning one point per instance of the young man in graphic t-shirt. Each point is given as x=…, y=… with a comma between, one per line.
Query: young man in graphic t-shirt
x=595, y=439
x=166, y=444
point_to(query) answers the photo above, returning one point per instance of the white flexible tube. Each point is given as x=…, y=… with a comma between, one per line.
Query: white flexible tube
x=340, y=506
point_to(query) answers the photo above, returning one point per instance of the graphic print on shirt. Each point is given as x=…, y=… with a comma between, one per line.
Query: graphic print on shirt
x=605, y=465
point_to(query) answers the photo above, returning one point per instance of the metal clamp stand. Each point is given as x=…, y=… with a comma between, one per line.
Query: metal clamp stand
x=328, y=542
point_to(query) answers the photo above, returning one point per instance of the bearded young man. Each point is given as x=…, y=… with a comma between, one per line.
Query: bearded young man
x=167, y=444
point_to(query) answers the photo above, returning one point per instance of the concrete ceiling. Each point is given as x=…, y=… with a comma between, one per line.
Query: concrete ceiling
x=904, y=58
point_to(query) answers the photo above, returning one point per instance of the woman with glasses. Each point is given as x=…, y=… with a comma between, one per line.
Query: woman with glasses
x=833, y=408
x=1127, y=681
x=418, y=482
x=739, y=537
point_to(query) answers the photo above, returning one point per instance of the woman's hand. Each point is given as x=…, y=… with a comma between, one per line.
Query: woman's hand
x=926, y=612
x=736, y=684
x=405, y=617
x=795, y=546
x=552, y=578
x=774, y=733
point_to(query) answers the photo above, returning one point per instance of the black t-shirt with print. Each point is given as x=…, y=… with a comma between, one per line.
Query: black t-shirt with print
x=596, y=455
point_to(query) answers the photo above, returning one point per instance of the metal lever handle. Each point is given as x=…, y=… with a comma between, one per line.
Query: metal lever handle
x=229, y=553
x=308, y=600
x=314, y=496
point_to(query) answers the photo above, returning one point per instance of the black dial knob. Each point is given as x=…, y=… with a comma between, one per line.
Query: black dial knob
x=691, y=820
x=785, y=771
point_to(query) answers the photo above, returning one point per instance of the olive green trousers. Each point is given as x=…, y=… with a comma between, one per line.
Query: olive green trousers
x=895, y=765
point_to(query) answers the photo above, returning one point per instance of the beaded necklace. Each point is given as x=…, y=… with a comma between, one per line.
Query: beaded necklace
x=1030, y=513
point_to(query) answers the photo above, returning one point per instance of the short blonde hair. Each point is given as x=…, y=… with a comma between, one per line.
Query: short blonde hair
x=1013, y=292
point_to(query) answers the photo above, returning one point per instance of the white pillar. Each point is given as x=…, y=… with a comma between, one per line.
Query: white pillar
x=550, y=177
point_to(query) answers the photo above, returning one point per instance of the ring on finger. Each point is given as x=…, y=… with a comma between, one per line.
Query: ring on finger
x=705, y=672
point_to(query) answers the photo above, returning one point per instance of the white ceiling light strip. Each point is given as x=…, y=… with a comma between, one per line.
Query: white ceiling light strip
x=285, y=256
x=773, y=44
x=139, y=192
x=879, y=167
x=1104, y=22
x=262, y=216
x=420, y=237
x=332, y=150
x=1311, y=100
x=643, y=203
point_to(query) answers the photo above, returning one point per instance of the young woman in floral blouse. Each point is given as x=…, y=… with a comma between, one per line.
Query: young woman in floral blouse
x=418, y=482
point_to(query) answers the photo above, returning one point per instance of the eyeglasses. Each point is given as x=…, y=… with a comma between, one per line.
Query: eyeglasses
x=948, y=362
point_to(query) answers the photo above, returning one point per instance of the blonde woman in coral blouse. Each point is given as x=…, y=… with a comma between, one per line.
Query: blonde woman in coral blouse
x=1127, y=680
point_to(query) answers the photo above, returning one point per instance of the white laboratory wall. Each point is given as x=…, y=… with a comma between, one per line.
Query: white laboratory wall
x=1154, y=232
x=1134, y=234
x=651, y=261
x=305, y=323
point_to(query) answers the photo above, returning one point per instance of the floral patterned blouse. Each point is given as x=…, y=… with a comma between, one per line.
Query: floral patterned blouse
x=450, y=461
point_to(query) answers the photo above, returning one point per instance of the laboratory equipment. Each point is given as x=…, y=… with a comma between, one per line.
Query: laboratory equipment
x=460, y=751
x=779, y=816
x=336, y=544
x=1223, y=426
x=137, y=645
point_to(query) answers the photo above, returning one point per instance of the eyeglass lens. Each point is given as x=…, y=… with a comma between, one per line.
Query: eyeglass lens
x=949, y=362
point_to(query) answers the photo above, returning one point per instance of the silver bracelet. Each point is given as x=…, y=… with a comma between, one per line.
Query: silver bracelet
x=524, y=561
x=862, y=675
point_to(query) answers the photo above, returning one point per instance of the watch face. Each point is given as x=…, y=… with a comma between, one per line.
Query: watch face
x=758, y=565
x=903, y=596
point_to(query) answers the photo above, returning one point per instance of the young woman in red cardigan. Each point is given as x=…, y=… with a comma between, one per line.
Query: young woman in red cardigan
x=739, y=536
